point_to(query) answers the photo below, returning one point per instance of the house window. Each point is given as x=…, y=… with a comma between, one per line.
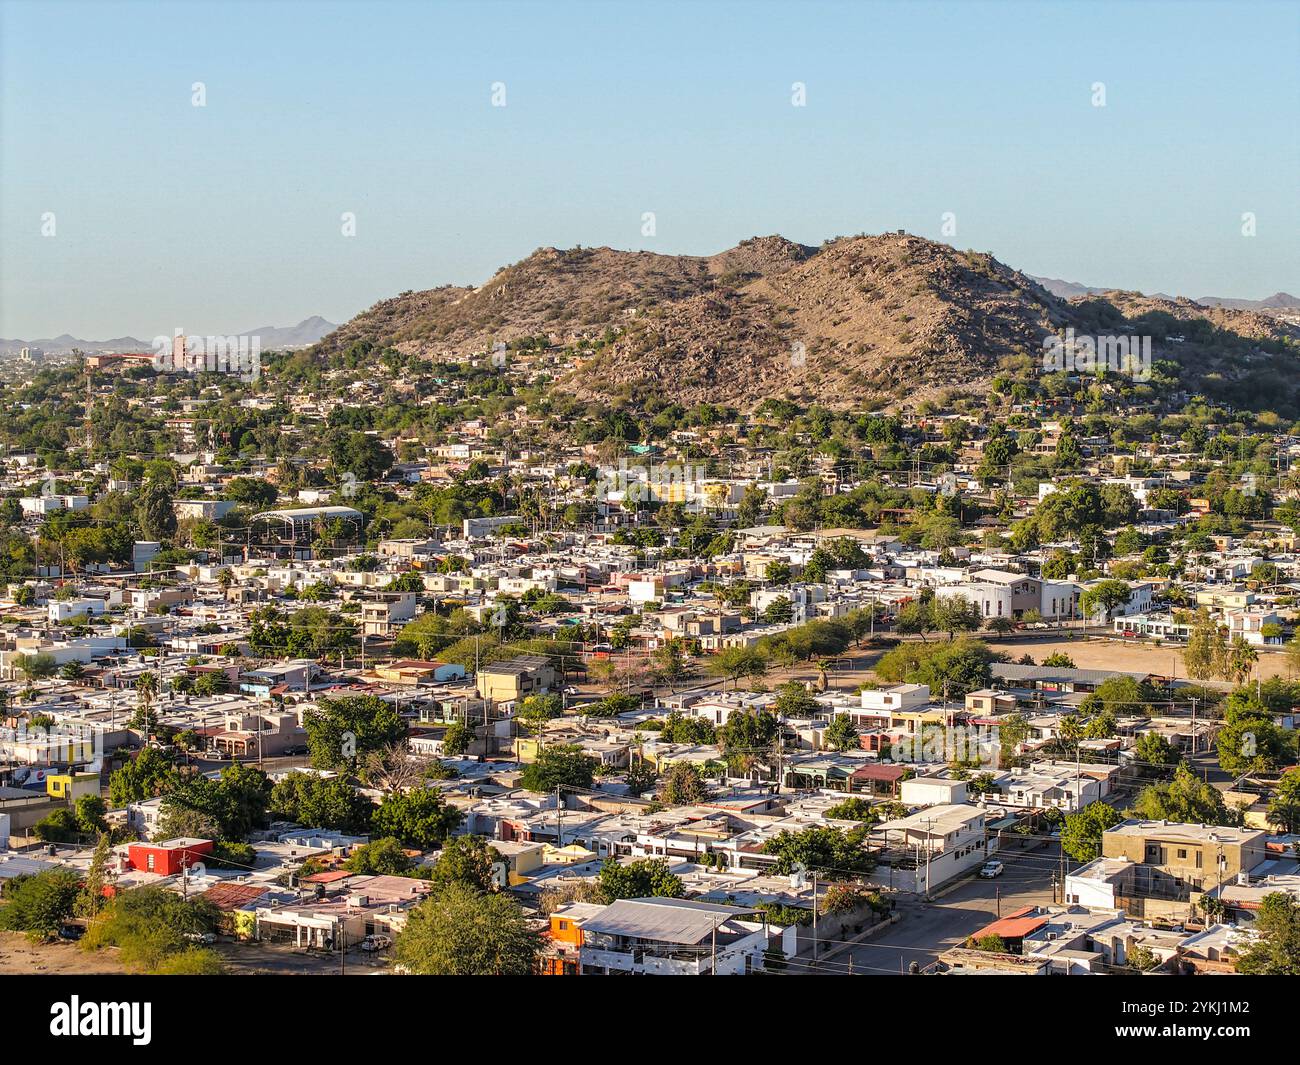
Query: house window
x=1182, y=854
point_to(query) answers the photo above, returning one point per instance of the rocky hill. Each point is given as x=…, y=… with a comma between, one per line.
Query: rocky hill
x=893, y=317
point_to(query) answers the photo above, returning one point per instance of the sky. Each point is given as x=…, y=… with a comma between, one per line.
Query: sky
x=127, y=210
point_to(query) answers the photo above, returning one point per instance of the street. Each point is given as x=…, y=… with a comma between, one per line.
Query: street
x=924, y=930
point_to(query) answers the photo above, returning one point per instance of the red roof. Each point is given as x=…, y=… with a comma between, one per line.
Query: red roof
x=1014, y=925
x=880, y=772
x=233, y=896
x=328, y=877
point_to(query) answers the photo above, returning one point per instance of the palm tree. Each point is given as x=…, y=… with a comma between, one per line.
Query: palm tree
x=823, y=666
x=1242, y=658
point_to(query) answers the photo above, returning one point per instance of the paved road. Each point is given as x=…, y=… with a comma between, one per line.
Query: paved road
x=926, y=929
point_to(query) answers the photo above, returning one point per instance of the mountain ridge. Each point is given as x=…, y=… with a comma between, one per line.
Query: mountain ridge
x=891, y=316
x=308, y=331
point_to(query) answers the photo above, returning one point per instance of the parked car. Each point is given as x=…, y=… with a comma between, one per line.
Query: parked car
x=206, y=938
x=991, y=869
x=291, y=752
x=71, y=931
x=376, y=941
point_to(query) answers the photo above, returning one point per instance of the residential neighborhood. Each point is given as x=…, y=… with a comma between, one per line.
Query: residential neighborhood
x=736, y=489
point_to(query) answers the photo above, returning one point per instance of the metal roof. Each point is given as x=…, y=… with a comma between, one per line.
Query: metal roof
x=664, y=920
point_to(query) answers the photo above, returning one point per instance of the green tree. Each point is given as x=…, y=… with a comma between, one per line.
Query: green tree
x=39, y=904
x=147, y=775
x=459, y=931
x=230, y=806
x=562, y=765
x=1206, y=654
x=642, y=879
x=746, y=736
x=155, y=513
x=834, y=851
x=1284, y=807
x=682, y=785
x=955, y=613
x=794, y=700
x=380, y=857
x=1081, y=835
x=1103, y=597
x=841, y=734
x=953, y=668
x=457, y=739
x=149, y=925
x=36, y=667
x=538, y=709
x=1275, y=950
x=1185, y=800
x=317, y=802
x=98, y=877
x=733, y=663
x=854, y=808
x=419, y=818
x=340, y=731
x=777, y=572
x=467, y=860
x=1153, y=753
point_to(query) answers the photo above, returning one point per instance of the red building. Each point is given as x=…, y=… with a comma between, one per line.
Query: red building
x=169, y=858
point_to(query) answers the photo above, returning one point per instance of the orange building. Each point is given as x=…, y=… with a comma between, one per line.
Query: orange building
x=562, y=942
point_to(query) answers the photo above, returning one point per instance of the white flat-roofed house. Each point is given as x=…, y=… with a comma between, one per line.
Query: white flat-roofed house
x=61, y=610
x=928, y=848
x=1249, y=625
x=932, y=791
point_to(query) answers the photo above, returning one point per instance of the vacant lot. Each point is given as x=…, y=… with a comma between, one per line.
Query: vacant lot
x=59, y=958
x=1128, y=657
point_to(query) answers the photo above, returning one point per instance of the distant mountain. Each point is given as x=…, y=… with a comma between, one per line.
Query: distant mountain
x=1066, y=290
x=273, y=337
x=308, y=331
x=65, y=343
x=893, y=316
x=1279, y=301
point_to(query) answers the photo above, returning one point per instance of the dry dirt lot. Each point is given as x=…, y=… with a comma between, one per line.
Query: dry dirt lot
x=59, y=958
x=1128, y=657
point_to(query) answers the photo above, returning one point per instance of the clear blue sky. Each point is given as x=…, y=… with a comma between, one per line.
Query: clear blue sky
x=227, y=217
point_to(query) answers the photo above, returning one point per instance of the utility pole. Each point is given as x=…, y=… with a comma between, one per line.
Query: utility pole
x=929, y=850
x=814, y=900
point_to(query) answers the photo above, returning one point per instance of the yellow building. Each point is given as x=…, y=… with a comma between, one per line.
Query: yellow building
x=71, y=786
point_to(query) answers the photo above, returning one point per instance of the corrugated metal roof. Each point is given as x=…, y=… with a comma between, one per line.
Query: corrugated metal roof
x=664, y=920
